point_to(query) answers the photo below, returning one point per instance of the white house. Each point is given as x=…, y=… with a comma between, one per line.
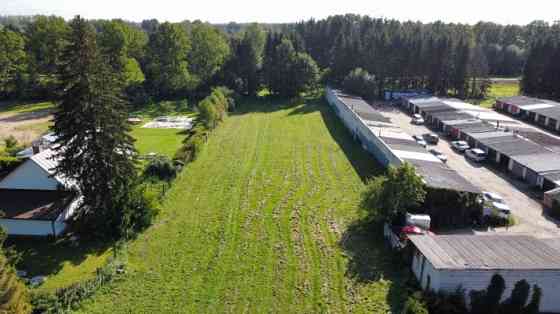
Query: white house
x=443, y=263
x=34, y=201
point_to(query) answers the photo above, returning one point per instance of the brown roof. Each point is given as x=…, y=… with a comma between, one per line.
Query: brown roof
x=471, y=252
x=33, y=204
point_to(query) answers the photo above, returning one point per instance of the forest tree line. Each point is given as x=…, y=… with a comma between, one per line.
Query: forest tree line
x=172, y=60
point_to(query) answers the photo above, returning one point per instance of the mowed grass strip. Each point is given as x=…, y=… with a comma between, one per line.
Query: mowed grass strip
x=263, y=221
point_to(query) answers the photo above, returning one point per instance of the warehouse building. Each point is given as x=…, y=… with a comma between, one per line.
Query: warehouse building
x=391, y=146
x=528, y=155
x=541, y=112
x=444, y=263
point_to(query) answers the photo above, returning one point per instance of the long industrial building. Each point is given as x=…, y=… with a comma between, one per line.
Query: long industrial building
x=528, y=154
x=541, y=112
x=391, y=146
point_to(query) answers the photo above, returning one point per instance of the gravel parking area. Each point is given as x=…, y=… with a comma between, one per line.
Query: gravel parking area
x=524, y=203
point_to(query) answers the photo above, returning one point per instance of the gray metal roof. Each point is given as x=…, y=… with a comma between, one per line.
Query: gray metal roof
x=520, y=100
x=440, y=176
x=513, y=146
x=551, y=112
x=451, y=115
x=472, y=252
x=542, y=162
x=492, y=134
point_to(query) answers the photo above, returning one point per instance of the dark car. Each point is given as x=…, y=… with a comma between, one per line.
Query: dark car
x=431, y=138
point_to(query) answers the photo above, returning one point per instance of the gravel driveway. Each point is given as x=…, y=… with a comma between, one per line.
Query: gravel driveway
x=524, y=204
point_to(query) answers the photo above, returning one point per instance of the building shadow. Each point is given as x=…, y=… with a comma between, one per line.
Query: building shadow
x=45, y=256
x=363, y=162
x=370, y=260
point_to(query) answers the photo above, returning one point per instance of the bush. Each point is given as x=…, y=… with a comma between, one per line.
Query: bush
x=192, y=145
x=67, y=299
x=360, y=82
x=415, y=305
x=160, y=167
x=8, y=163
x=12, y=146
x=140, y=210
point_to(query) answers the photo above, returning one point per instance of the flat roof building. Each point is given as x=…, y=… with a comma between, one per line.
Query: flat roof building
x=445, y=263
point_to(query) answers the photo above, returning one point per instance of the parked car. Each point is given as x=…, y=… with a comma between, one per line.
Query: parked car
x=417, y=119
x=420, y=140
x=492, y=197
x=475, y=154
x=460, y=146
x=431, y=138
x=499, y=209
x=436, y=152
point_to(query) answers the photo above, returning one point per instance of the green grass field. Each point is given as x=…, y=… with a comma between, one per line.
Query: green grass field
x=266, y=220
x=160, y=141
x=497, y=90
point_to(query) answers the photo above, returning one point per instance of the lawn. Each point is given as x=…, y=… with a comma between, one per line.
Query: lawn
x=62, y=263
x=160, y=141
x=266, y=220
x=497, y=90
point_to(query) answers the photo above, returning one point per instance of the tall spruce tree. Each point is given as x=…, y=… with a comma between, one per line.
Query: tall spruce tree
x=14, y=297
x=95, y=150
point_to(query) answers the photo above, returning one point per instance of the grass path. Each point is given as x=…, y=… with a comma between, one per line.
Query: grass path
x=262, y=222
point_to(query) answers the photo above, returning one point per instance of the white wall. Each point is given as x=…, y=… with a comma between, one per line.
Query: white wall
x=28, y=227
x=450, y=280
x=419, y=262
x=357, y=126
x=29, y=176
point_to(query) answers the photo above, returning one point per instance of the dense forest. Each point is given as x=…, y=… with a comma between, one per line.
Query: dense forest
x=541, y=75
x=170, y=60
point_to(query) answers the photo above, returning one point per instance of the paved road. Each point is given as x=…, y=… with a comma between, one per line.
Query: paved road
x=527, y=209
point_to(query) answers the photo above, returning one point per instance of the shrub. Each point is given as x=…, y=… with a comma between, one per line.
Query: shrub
x=415, y=305
x=192, y=144
x=8, y=163
x=360, y=82
x=12, y=146
x=160, y=167
x=67, y=299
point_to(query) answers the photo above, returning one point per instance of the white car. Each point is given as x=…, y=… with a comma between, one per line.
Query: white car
x=475, y=154
x=492, y=197
x=417, y=119
x=460, y=146
x=436, y=152
x=420, y=140
x=501, y=209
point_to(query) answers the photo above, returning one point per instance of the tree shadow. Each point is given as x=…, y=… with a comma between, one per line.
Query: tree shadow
x=25, y=116
x=44, y=256
x=370, y=260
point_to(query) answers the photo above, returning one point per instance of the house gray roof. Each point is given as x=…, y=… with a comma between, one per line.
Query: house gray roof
x=472, y=252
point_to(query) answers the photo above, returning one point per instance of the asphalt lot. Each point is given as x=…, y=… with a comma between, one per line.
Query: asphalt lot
x=524, y=204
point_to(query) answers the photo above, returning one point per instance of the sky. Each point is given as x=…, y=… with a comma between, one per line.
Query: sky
x=281, y=11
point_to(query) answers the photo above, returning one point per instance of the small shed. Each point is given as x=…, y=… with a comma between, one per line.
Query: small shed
x=443, y=263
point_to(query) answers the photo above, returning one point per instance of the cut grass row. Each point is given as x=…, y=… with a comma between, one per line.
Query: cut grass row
x=262, y=221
